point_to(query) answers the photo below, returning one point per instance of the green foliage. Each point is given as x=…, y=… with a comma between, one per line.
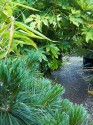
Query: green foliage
x=26, y=98
x=12, y=81
x=58, y=20
x=88, y=32
x=59, y=118
x=54, y=64
x=53, y=49
x=49, y=58
x=64, y=20
x=75, y=17
x=15, y=33
x=77, y=115
x=9, y=87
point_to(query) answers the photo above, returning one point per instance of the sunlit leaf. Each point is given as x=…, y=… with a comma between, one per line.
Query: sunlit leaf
x=24, y=6
x=19, y=24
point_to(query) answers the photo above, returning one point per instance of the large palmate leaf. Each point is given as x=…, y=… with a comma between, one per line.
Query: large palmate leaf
x=54, y=64
x=53, y=49
x=75, y=17
x=88, y=32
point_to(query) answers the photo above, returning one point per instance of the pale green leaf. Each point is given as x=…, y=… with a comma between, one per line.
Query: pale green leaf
x=88, y=32
x=2, y=54
x=24, y=6
x=25, y=39
x=29, y=32
x=32, y=30
x=9, y=10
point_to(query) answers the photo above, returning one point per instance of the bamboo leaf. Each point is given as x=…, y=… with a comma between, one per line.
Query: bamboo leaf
x=4, y=28
x=9, y=10
x=21, y=25
x=30, y=34
x=2, y=54
x=11, y=34
x=26, y=39
x=24, y=6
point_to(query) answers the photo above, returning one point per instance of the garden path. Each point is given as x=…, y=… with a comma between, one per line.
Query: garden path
x=71, y=77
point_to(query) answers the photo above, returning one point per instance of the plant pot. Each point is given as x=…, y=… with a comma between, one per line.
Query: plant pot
x=87, y=62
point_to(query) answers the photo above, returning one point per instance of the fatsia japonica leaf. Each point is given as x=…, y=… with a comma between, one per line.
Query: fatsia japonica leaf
x=85, y=4
x=37, y=21
x=63, y=3
x=42, y=55
x=75, y=17
x=53, y=49
x=54, y=64
x=88, y=32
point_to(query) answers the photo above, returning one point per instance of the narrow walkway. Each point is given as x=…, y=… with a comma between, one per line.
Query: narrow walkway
x=71, y=77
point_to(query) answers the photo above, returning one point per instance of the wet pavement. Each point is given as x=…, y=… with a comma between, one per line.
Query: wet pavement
x=71, y=77
x=76, y=80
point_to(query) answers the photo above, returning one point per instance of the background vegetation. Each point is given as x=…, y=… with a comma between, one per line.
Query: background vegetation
x=52, y=28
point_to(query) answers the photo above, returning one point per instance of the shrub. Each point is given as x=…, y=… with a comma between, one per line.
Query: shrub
x=26, y=98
